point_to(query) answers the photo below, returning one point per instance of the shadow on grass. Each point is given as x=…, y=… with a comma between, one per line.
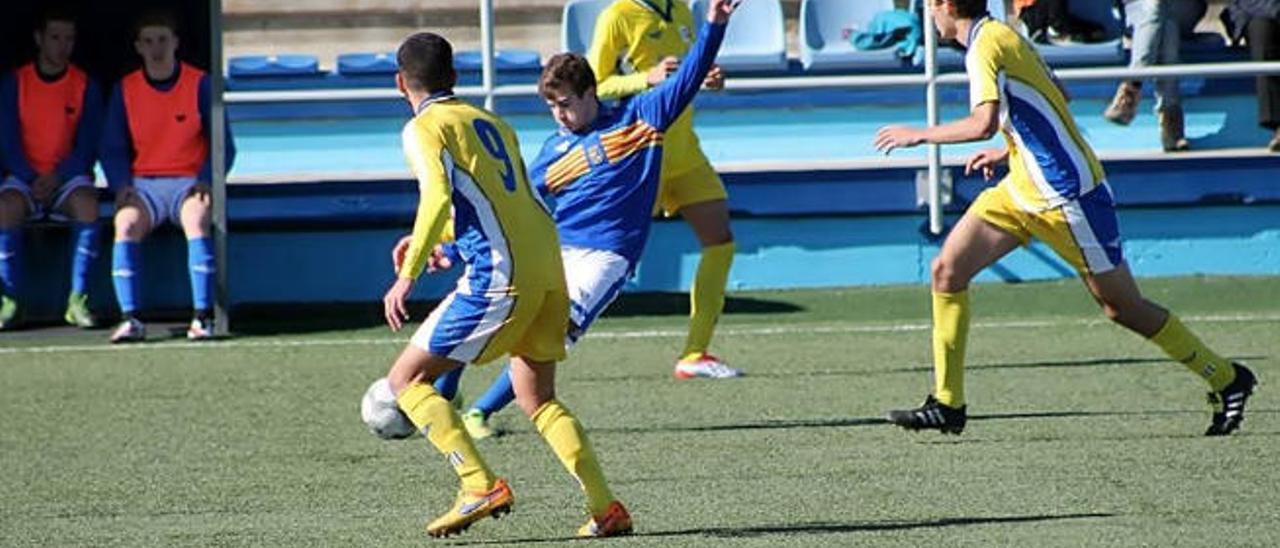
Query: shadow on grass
x=293, y=319
x=828, y=527
x=851, y=422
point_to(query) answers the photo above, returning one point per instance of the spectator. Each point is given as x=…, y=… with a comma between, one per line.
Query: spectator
x=50, y=118
x=1158, y=28
x=1259, y=22
x=155, y=154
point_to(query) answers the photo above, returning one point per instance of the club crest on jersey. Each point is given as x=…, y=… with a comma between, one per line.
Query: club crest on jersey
x=595, y=154
x=685, y=34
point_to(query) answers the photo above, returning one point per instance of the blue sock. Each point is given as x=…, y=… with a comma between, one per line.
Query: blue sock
x=84, y=250
x=447, y=384
x=10, y=265
x=201, y=265
x=126, y=268
x=499, y=395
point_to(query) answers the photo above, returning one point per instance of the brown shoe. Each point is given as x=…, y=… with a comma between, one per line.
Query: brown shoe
x=1274, y=145
x=1173, y=130
x=1125, y=104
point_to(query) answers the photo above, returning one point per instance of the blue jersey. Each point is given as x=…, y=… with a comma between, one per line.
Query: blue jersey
x=604, y=180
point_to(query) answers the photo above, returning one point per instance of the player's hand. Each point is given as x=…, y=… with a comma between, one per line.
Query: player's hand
x=393, y=308
x=891, y=137
x=398, y=252
x=720, y=10
x=715, y=79
x=662, y=70
x=43, y=187
x=985, y=161
x=439, y=260
x=125, y=196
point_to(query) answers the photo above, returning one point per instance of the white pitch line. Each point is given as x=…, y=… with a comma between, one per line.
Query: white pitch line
x=793, y=329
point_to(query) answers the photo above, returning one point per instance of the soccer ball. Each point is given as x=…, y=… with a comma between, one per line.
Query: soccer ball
x=382, y=414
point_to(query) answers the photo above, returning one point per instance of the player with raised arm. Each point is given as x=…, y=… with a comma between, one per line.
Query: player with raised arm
x=602, y=170
x=637, y=45
x=512, y=297
x=1056, y=191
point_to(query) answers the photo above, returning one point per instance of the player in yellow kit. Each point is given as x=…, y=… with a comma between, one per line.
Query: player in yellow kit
x=511, y=300
x=637, y=44
x=1056, y=191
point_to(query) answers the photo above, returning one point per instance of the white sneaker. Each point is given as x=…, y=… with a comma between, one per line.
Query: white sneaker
x=705, y=366
x=128, y=331
x=200, y=330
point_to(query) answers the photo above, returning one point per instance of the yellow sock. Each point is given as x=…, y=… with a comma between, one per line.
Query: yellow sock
x=433, y=414
x=565, y=435
x=706, y=297
x=950, y=333
x=1182, y=345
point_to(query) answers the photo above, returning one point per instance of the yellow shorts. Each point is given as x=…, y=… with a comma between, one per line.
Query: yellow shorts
x=697, y=185
x=481, y=328
x=1084, y=231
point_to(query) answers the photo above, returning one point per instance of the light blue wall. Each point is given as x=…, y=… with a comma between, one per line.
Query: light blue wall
x=773, y=253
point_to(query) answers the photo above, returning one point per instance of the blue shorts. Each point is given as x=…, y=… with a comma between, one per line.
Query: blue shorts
x=163, y=197
x=37, y=210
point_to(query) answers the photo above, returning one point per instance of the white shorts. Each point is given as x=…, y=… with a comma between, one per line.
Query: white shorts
x=37, y=210
x=163, y=197
x=595, y=278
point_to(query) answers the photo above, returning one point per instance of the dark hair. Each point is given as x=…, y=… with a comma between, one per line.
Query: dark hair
x=55, y=13
x=566, y=72
x=426, y=62
x=156, y=18
x=970, y=9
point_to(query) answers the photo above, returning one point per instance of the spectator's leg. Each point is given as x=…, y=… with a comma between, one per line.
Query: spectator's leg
x=1141, y=15
x=196, y=216
x=1264, y=45
x=1168, y=101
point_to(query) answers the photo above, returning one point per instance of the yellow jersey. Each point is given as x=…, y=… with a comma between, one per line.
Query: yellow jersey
x=469, y=170
x=631, y=37
x=1050, y=163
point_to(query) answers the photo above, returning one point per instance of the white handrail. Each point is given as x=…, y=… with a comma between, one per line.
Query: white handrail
x=1250, y=68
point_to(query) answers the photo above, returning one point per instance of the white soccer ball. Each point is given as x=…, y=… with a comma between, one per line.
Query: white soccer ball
x=382, y=414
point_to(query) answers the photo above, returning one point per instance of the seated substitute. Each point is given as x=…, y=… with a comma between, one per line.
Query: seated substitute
x=155, y=152
x=50, y=119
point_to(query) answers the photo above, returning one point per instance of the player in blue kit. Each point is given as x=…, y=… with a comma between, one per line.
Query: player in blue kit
x=601, y=170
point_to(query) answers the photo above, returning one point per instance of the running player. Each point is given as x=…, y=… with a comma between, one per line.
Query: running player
x=637, y=44
x=1055, y=191
x=602, y=169
x=512, y=298
x=50, y=119
x=155, y=153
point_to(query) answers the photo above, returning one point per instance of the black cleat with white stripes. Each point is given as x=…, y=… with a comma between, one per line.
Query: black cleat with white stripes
x=1228, y=405
x=933, y=415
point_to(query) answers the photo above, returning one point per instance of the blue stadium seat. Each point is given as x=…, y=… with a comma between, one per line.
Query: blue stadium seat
x=579, y=22
x=826, y=27
x=756, y=40
x=503, y=61
x=366, y=63
x=1101, y=12
x=273, y=65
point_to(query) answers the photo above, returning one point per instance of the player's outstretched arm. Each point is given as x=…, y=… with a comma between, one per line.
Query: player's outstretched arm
x=981, y=124
x=663, y=105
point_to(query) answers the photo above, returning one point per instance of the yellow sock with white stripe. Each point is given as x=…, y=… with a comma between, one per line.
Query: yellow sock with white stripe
x=950, y=333
x=706, y=297
x=434, y=415
x=565, y=435
x=1182, y=345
